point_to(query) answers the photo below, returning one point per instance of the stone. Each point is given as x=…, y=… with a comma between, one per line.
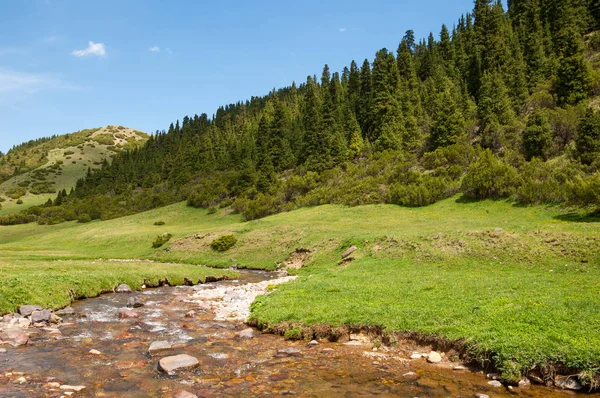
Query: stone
x=493, y=376
x=157, y=346
x=126, y=313
x=246, y=334
x=94, y=352
x=354, y=343
x=289, y=351
x=135, y=302
x=20, y=380
x=66, y=311
x=185, y=394
x=66, y=387
x=15, y=336
x=434, y=357
x=524, y=383
x=52, y=384
x=177, y=362
x=26, y=310
x=410, y=376
x=41, y=316
x=123, y=288
x=479, y=395
x=567, y=383
x=312, y=343
x=55, y=318
x=459, y=367
x=327, y=349
x=495, y=383
x=190, y=314
x=416, y=355
x=2, y=350
x=349, y=251
x=23, y=323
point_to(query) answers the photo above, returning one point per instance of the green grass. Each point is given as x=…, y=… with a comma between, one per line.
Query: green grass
x=520, y=283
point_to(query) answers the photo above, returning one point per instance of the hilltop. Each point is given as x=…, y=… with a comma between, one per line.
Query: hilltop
x=35, y=171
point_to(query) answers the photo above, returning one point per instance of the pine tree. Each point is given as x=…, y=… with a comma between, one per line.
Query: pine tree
x=386, y=112
x=365, y=101
x=448, y=122
x=573, y=80
x=537, y=136
x=587, y=140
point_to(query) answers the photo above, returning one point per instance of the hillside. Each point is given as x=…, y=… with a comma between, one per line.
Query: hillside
x=34, y=172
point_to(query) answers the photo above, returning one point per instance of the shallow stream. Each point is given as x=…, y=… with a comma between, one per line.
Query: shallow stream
x=229, y=366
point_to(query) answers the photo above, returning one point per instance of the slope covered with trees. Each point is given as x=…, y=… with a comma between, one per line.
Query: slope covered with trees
x=504, y=104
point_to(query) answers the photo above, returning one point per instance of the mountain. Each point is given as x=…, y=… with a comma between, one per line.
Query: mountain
x=35, y=171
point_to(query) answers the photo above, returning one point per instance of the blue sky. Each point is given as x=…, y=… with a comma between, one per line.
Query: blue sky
x=70, y=65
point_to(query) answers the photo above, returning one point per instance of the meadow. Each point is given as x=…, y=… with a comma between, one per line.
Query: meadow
x=519, y=285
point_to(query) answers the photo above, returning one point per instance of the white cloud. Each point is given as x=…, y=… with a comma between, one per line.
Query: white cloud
x=154, y=49
x=342, y=30
x=15, y=85
x=98, y=49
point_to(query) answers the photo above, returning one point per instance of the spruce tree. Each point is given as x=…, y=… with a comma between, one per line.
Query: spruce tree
x=573, y=80
x=537, y=136
x=587, y=140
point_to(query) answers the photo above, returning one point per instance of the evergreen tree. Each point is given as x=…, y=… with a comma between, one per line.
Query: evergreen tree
x=537, y=136
x=587, y=140
x=573, y=80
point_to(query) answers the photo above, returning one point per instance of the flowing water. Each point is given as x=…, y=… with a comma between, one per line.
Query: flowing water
x=229, y=366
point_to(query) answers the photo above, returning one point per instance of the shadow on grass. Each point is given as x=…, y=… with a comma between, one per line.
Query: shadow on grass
x=580, y=217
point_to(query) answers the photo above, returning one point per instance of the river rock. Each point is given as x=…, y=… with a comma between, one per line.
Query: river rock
x=567, y=383
x=66, y=387
x=434, y=357
x=349, y=251
x=23, y=323
x=123, y=288
x=177, y=362
x=246, y=334
x=15, y=336
x=66, y=311
x=26, y=310
x=312, y=343
x=94, y=352
x=157, y=346
x=289, y=351
x=135, y=302
x=524, y=383
x=416, y=355
x=495, y=383
x=410, y=376
x=2, y=350
x=126, y=313
x=55, y=318
x=41, y=316
x=185, y=394
x=480, y=395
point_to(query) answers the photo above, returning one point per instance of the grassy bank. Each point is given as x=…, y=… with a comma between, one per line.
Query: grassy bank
x=522, y=284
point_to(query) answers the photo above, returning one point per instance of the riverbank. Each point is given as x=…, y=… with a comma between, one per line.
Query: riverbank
x=511, y=285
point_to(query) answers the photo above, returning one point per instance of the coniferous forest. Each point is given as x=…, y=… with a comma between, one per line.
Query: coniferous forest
x=502, y=105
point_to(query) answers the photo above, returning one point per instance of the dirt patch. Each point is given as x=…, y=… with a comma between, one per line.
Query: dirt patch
x=297, y=259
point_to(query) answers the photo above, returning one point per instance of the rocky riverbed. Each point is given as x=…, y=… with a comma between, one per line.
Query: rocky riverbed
x=192, y=341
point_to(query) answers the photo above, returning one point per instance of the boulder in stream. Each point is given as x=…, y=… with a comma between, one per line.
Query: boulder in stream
x=14, y=336
x=123, y=288
x=68, y=310
x=434, y=357
x=26, y=310
x=41, y=316
x=157, y=346
x=135, y=302
x=246, y=334
x=185, y=394
x=177, y=362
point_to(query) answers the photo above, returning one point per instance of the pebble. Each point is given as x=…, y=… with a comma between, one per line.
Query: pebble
x=2, y=350
x=185, y=394
x=327, y=349
x=495, y=383
x=459, y=367
x=434, y=357
x=567, y=383
x=53, y=384
x=410, y=375
x=289, y=351
x=479, y=395
x=524, y=383
x=312, y=343
x=246, y=334
x=66, y=387
x=123, y=288
x=94, y=352
x=20, y=380
x=416, y=356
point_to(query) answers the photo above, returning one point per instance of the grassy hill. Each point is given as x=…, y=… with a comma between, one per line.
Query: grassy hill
x=33, y=172
x=518, y=285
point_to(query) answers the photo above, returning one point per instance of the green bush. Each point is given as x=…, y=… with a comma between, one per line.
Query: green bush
x=20, y=201
x=490, y=177
x=16, y=193
x=223, y=243
x=159, y=223
x=427, y=190
x=67, y=153
x=104, y=139
x=161, y=240
x=212, y=210
x=84, y=218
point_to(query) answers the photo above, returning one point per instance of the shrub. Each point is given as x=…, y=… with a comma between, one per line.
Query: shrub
x=161, y=240
x=159, y=223
x=223, y=243
x=490, y=177
x=20, y=201
x=104, y=139
x=293, y=334
x=67, y=153
x=16, y=193
x=84, y=218
x=427, y=190
x=212, y=210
